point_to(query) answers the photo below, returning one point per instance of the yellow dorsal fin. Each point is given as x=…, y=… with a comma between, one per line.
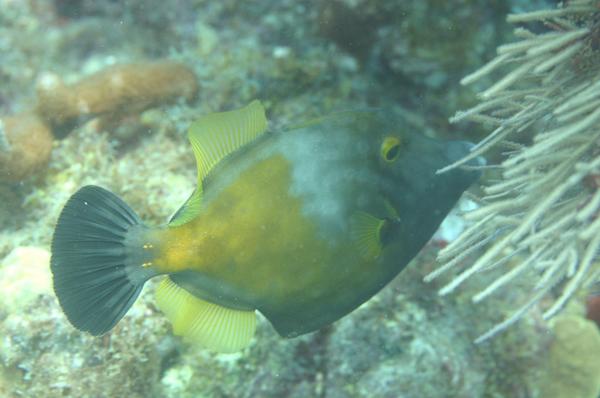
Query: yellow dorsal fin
x=366, y=231
x=213, y=137
x=215, y=327
x=217, y=135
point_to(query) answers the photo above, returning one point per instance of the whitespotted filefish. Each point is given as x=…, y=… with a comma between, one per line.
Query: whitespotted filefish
x=303, y=225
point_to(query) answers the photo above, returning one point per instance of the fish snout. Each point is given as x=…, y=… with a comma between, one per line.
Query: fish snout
x=456, y=150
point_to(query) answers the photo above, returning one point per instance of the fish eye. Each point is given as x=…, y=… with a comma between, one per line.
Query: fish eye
x=390, y=149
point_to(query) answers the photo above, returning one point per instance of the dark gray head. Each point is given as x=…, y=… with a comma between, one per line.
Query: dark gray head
x=421, y=196
x=371, y=161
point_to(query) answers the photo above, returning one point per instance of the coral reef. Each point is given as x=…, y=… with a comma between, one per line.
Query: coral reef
x=41, y=356
x=391, y=41
x=572, y=362
x=113, y=93
x=24, y=275
x=544, y=208
x=25, y=146
x=405, y=339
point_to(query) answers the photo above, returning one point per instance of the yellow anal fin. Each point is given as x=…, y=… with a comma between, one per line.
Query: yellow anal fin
x=215, y=327
x=366, y=231
x=215, y=136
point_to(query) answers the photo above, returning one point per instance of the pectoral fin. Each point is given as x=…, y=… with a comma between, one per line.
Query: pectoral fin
x=366, y=231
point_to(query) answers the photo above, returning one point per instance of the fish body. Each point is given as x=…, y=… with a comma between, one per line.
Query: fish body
x=302, y=225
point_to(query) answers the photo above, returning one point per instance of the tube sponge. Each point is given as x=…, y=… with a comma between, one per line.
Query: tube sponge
x=25, y=146
x=113, y=92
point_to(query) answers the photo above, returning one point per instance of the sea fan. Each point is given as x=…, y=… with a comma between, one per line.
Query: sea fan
x=543, y=211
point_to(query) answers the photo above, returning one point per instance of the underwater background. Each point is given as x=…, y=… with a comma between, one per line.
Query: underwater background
x=179, y=60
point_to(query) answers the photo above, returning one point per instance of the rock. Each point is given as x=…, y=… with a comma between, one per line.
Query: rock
x=24, y=276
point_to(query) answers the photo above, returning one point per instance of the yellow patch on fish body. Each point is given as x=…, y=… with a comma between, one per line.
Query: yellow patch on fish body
x=263, y=250
x=240, y=233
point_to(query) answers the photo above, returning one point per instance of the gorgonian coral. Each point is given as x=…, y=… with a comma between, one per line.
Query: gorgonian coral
x=542, y=215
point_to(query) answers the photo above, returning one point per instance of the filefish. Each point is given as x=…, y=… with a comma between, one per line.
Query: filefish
x=302, y=225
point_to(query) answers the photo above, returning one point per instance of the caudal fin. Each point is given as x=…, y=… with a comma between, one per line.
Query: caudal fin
x=97, y=257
